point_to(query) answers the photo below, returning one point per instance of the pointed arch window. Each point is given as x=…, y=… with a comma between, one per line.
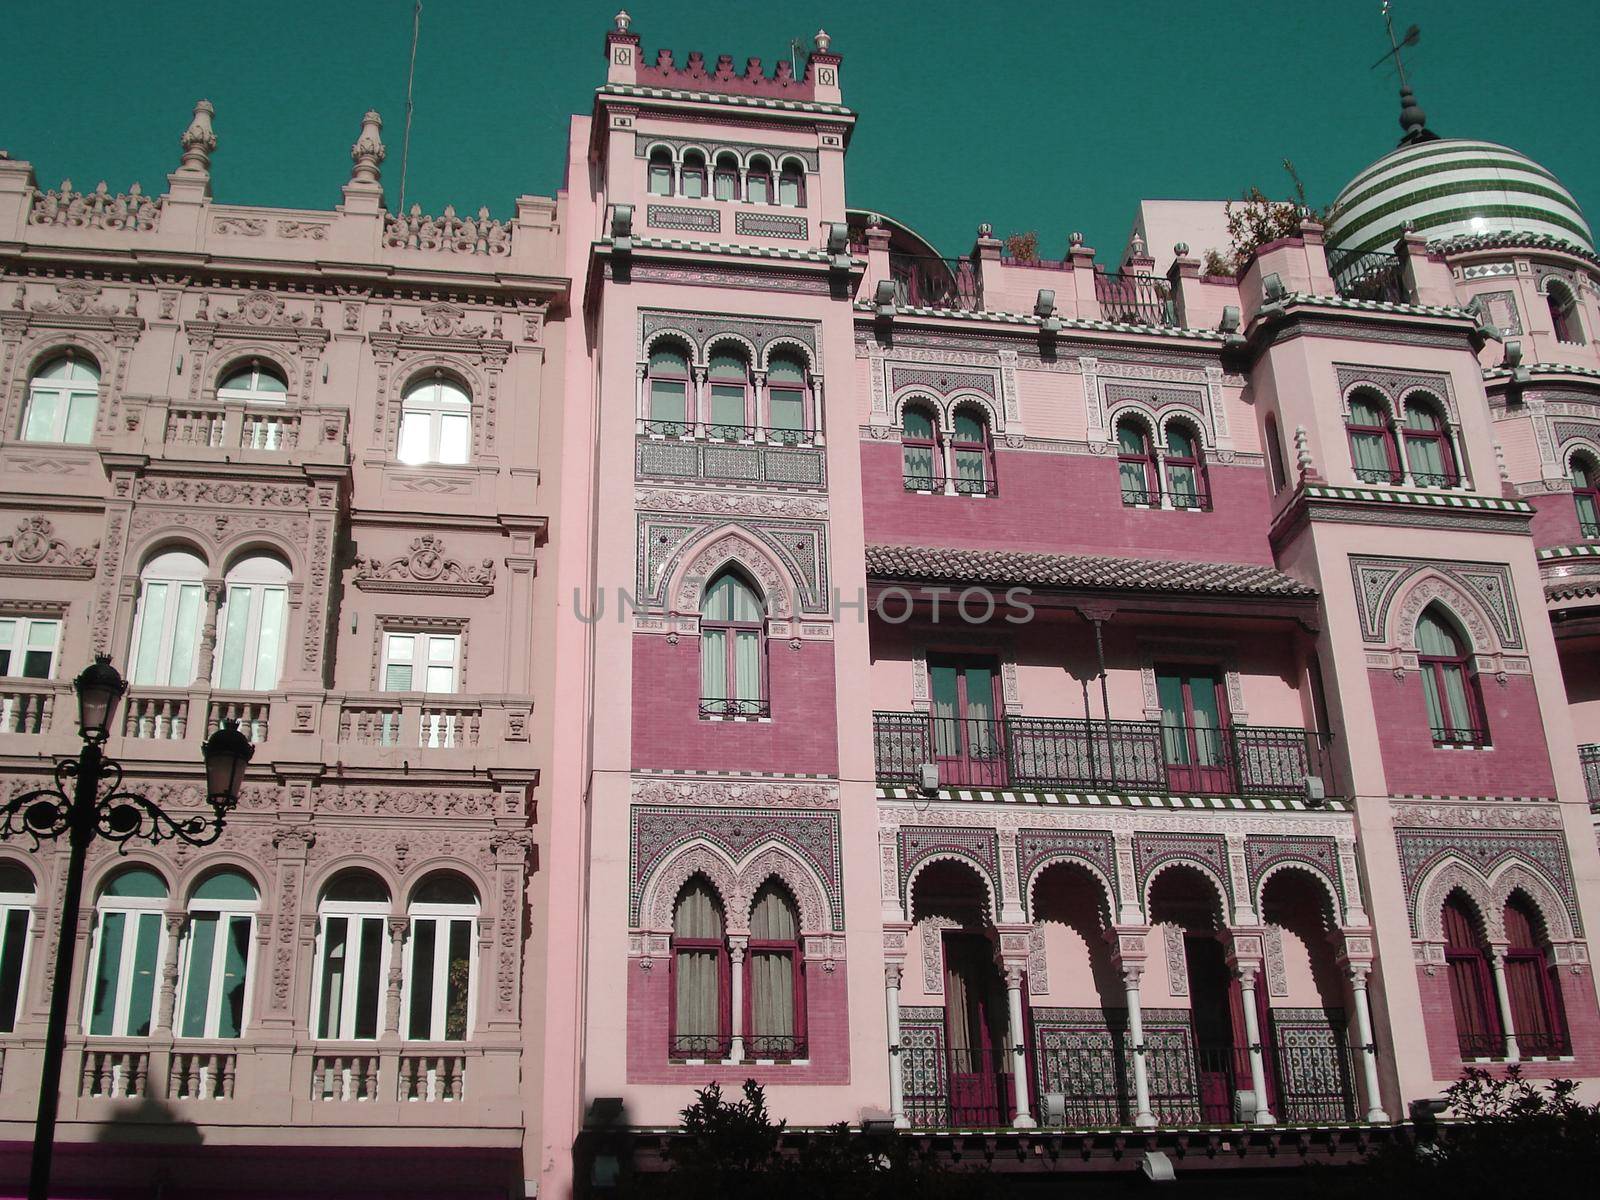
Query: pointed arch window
x=215, y=996
x=1471, y=990
x=63, y=398
x=700, y=975
x=919, y=444
x=972, y=453
x=1449, y=684
x=668, y=390
x=729, y=379
x=130, y=944
x=17, y=895
x=1429, y=458
x=732, y=649
x=1585, y=475
x=1372, y=447
x=725, y=178
x=1136, y=465
x=1564, y=319
x=1186, y=469
x=786, y=399
x=758, y=181
x=661, y=171
x=775, y=1011
x=1531, y=986
x=166, y=625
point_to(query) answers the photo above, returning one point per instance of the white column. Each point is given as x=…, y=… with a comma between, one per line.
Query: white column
x=897, y=1084
x=736, y=948
x=699, y=413
x=819, y=424
x=1497, y=960
x=1161, y=476
x=1019, y=1049
x=1369, y=1052
x=1397, y=432
x=1252, y=1031
x=1142, y=1116
x=760, y=419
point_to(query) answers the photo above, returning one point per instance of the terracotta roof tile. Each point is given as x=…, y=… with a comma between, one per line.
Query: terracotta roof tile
x=1079, y=571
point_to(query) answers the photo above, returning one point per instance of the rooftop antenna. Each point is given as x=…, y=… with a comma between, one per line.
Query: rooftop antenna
x=1413, y=121
x=795, y=46
x=411, y=75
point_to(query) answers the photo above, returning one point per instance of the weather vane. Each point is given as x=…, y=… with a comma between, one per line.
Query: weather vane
x=1410, y=38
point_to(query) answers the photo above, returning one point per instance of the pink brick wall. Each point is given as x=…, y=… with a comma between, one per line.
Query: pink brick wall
x=1516, y=764
x=827, y=1034
x=669, y=734
x=1583, y=1027
x=1067, y=504
x=1555, y=521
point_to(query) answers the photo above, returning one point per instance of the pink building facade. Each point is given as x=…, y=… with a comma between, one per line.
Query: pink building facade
x=693, y=631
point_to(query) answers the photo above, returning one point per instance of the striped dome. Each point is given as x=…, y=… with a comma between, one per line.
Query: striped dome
x=1452, y=187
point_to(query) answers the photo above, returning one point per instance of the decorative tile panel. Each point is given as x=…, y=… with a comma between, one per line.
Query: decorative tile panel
x=1036, y=847
x=1545, y=853
x=749, y=224
x=1378, y=580
x=1152, y=851
x=674, y=459
x=700, y=329
x=1264, y=852
x=918, y=844
x=671, y=216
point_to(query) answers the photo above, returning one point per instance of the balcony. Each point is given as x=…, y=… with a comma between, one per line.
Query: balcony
x=229, y=431
x=1375, y=275
x=1073, y=754
x=1091, y=1086
x=1134, y=299
x=27, y=705
x=1589, y=758
x=923, y=281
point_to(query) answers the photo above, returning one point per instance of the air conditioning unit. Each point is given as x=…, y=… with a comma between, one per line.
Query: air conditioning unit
x=1244, y=1106
x=1316, y=791
x=929, y=782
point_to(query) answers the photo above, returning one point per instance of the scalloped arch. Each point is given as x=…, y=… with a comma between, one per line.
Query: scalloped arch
x=1315, y=873
x=773, y=860
x=699, y=559
x=659, y=894
x=751, y=355
x=1137, y=412
x=671, y=334
x=1203, y=869
x=1453, y=875
x=1429, y=587
x=782, y=342
x=958, y=400
x=991, y=899
x=1516, y=876
x=1378, y=393
x=1068, y=859
x=1189, y=421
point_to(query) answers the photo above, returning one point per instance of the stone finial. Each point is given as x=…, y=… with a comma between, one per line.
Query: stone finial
x=822, y=41
x=1302, y=452
x=1181, y=249
x=1074, y=238
x=985, y=230
x=198, y=141
x=369, y=151
x=1137, y=245
x=623, y=20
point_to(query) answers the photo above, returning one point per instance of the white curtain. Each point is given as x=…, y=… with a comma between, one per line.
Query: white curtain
x=772, y=998
x=698, y=985
x=714, y=664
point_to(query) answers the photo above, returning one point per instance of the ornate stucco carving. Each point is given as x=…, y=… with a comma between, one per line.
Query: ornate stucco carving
x=426, y=568
x=35, y=550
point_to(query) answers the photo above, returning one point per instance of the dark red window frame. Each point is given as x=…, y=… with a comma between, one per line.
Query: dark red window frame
x=986, y=486
x=790, y=948
x=1588, y=527
x=723, y=1040
x=1536, y=1010
x=1146, y=461
x=1437, y=434
x=733, y=706
x=762, y=175
x=1382, y=431
x=694, y=167
x=1195, y=462
x=922, y=483
x=1472, y=998
x=1438, y=665
x=792, y=172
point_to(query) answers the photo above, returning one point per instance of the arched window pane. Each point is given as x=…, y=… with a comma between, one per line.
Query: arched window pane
x=729, y=379
x=63, y=399
x=1130, y=438
x=758, y=181
x=129, y=944
x=791, y=186
x=435, y=424
x=725, y=180
x=253, y=619
x=694, y=176
x=660, y=172
x=16, y=915
x=1364, y=412
x=227, y=885
x=783, y=369
x=167, y=623
x=216, y=958
x=772, y=918
x=917, y=423
x=1434, y=636
x=353, y=956
x=699, y=912
x=669, y=387
x=137, y=882
x=1420, y=415
x=969, y=426
x=441, y=958
x=1179, y=442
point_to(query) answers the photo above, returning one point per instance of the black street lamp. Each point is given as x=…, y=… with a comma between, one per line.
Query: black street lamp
x=84, y=811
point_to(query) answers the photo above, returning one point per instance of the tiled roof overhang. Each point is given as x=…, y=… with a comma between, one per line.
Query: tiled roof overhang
x=1080, y=573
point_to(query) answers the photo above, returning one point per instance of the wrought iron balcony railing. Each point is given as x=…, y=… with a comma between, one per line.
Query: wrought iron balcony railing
x=1134, y=299
x=1589, y=757
x=1375, y=275
x=1072, y=754
x=923, y=281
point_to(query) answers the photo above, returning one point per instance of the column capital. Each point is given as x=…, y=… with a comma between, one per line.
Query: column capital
x=892, y=973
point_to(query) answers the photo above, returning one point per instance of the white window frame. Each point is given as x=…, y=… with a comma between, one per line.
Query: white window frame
x=20, y=644
x=169, y=620
x=24, y=903
x=134, y=910
x=420, y=637
x=442, y=915
x=225, y=911
x=65, y=392
x=425, y=402
x=254, y=394
x=260, y=574
x=355, y=913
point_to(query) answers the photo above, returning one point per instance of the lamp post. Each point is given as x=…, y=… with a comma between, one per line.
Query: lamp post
x=88, y=802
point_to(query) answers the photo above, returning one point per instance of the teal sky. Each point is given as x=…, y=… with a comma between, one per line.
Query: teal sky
x=1050, y=116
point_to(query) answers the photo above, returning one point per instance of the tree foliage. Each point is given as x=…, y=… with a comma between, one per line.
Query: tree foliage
x=1502, y=1136
x=1023, y=247
x=733, y=1149
x=1256, y=219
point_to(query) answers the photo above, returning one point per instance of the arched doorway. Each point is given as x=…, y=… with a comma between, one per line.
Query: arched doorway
x=1197, y=1082
x=969, y=1081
